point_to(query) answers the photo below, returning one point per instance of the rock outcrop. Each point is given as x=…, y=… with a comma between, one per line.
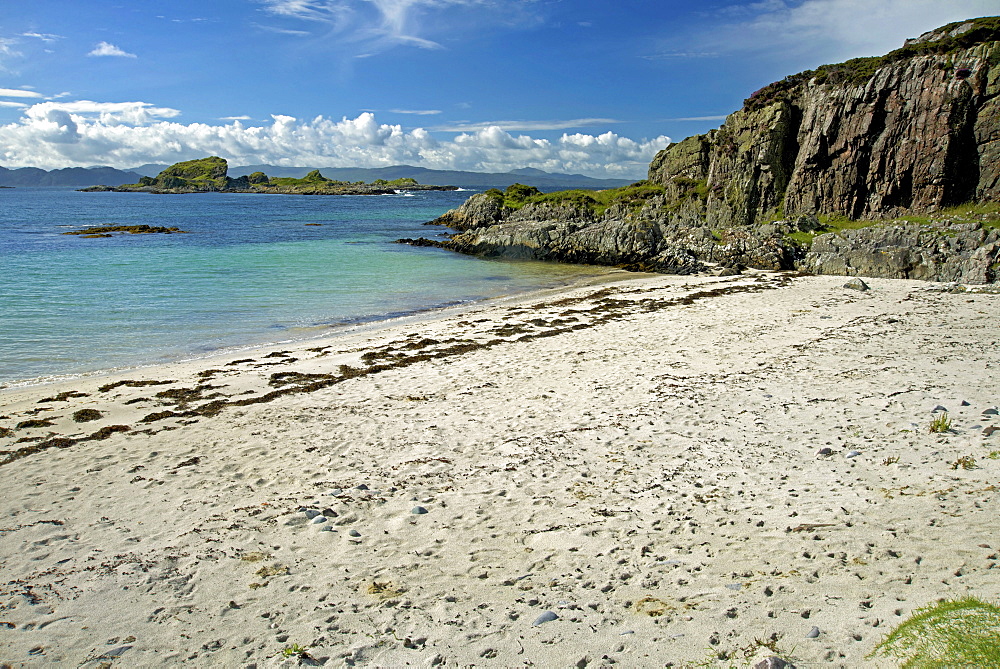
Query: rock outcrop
x=891, y=137
x=209, y=175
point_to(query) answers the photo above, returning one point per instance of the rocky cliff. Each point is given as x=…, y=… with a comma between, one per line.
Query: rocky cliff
x=894, y=140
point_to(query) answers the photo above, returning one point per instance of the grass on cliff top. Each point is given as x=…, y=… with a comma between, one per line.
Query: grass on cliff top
x=859, y=70
x=987, y=214
x=958, y=633
x=596, y=201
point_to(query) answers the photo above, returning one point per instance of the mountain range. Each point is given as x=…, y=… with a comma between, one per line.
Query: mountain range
x=91, y=176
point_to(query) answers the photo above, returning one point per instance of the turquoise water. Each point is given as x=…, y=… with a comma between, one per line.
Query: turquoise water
x=249, y=271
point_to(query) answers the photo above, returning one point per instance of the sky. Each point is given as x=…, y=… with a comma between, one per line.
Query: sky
x=593, y=87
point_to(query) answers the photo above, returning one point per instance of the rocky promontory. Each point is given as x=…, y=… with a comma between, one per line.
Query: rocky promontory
x=210, y=175
x=886, y=166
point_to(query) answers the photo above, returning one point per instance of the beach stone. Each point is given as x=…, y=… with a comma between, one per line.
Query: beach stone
x=354, y=533
x=546, y=617
x=362, y=487
x=991, y=412
x=330, y=513
x=988, y=432
x=310, y=513
x=335, y=492
x=939, y=408
x=854, y=454
x=965, y=404
x=825, y=451
x=857, y=284
x=773, y=662
x=418, y=510
x=319, y=519
x=813, y=633
x=327, y=528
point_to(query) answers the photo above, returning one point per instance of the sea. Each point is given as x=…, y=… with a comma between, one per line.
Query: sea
x=248, y=270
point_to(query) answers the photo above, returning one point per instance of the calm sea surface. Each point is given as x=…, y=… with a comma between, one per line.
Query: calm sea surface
x=251, y=270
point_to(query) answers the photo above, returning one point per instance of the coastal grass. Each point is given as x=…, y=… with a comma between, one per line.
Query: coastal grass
x=632, y=197
x=950, y=633
x=986, y=214
x=940, y=424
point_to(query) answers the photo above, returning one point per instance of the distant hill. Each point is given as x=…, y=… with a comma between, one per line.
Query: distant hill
x=540, y=179
x=68, y=176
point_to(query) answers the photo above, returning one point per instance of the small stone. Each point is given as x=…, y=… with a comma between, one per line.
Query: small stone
x=773, y=662
x=854, y=454
x=826, y=450
x=546, y=617
x=362, y=487
x=327, y=528
x=813, y=633
x=311, y=513
x=938, y=408
x=335, y=492
x=856, y=284
x=319, y=519
x=354, y=533
x=991, y=412
x=988, y=432
x=965, y=404
x=330, y=513
x=418, y=510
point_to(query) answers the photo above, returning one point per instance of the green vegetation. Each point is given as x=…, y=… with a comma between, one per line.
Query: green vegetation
x=957, y=633
x=986, y=214
x=859, y=70
x=940, y=424
x=595, y=201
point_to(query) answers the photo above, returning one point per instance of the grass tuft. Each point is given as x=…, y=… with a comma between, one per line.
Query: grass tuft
x=940, y=424
x=950, y=633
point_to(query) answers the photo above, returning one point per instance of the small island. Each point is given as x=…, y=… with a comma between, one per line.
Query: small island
x=209, y=175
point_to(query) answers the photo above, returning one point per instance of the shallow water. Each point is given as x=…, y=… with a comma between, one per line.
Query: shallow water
x=251, y=269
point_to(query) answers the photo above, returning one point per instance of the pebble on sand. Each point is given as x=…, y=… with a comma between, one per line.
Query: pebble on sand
x=546, y=617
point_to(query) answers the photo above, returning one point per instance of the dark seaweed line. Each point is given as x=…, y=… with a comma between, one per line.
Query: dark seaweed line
x=607, y=309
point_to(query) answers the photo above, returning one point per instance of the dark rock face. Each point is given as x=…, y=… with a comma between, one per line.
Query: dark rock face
x=909, y=133
x=920, y=134
x=965, y=253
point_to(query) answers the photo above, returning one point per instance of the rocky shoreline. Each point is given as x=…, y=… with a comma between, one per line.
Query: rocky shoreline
x=884, y=167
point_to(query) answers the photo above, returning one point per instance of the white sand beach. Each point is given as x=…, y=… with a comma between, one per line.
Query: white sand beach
x=655, y=471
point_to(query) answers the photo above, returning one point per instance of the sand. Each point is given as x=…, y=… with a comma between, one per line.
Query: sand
x=629, y=474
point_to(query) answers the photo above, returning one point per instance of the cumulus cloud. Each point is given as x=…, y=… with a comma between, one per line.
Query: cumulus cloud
x=52, y=135
x=107, y=49
x=833, y=30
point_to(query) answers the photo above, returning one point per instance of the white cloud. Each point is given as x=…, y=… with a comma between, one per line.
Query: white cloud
x=417, y=112
x=834, y=30
x=45, y=37
x=373, y=26
x=526, y=125
x=7, y=53
x=18, y=93
x=107, y=49
x=52, y=135
x=8, y=103
x=235, y=118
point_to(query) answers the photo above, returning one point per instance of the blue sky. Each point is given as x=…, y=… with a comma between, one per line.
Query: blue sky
x=588, y=86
